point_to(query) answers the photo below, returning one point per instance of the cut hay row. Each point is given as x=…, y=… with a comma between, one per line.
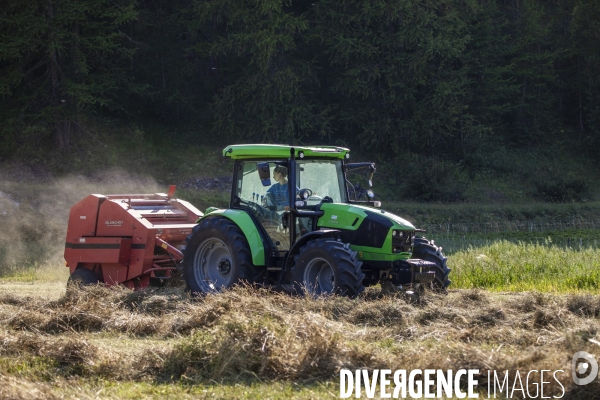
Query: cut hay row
x=249, y=335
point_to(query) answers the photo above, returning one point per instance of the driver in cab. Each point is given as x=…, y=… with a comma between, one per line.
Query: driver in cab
x=278, y=193
x=278, y=197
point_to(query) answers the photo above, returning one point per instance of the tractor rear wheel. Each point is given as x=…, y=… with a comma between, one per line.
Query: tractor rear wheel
x=217, y=256
x=82, y=277
x=325, y=266
x=425, y=249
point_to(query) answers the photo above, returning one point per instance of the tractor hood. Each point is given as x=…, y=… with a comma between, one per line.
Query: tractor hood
x=369, y=231
x=351, y=217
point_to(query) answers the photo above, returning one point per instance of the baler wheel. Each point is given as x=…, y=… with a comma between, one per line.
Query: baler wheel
x=217, y=256
x=425, y=249
x=325, y=266
x=82, y=277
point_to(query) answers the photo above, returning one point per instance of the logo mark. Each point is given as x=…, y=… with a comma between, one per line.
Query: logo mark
x=113, y=223
x=584, y=363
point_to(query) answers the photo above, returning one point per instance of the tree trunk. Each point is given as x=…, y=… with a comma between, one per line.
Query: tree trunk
x=60, y=126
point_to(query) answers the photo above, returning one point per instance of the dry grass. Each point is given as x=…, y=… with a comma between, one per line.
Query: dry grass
x=161, y=337
x=49, y=290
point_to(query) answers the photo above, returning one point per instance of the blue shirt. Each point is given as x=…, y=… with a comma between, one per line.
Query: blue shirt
x=280, y=195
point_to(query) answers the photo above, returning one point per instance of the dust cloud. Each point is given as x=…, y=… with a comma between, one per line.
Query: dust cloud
x=34, y=211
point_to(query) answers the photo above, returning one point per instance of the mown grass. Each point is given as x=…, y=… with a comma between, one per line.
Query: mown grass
x=252, y=343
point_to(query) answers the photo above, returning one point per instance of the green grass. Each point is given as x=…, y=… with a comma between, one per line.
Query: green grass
x=506, y=266
x=27, y=370
x=276, y=390
x=36, y=272
x=28, y=366
x=566, y=239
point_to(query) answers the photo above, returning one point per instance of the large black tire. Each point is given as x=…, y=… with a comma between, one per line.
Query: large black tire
x=217, y=256
x=425, y=249
x=325, y=266
x=82, y=277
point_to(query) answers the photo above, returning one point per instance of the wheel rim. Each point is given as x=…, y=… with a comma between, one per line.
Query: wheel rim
x=319, y=277
x=213, y=265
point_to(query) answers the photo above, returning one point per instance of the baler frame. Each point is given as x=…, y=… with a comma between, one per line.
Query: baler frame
x=129, y=239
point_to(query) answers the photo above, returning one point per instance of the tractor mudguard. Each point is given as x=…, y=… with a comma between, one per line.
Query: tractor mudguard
x=320, y=234
x=248, y=227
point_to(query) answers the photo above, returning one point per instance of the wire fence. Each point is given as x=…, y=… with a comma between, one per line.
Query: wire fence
x=453, y=243
x=461, y=236
x=511, y=226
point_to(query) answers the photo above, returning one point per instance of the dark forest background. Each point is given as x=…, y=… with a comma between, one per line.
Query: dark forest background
x=446, y=95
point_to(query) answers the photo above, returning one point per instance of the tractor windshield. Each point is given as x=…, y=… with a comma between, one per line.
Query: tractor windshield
x=323, y=178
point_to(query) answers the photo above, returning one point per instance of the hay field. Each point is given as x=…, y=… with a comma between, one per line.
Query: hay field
x=252, y=343
x=511, y=306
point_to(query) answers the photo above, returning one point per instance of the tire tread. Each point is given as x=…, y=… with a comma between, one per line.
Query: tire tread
x=349, y=267
x=426, y=249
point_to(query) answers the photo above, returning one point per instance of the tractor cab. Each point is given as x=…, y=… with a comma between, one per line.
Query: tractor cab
x=272, y=199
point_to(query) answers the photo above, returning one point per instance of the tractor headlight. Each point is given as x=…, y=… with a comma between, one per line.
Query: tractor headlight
x=398, y=235
x=402, y=241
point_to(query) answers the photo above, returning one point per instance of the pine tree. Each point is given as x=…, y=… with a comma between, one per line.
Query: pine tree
x=585, y=79
x=58, y=59
x=265, y=88
x=397, y=71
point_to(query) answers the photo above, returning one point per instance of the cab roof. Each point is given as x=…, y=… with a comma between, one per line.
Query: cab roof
x=243, y=151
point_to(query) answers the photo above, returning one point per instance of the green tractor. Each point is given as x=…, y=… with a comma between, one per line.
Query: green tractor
x=295, y=223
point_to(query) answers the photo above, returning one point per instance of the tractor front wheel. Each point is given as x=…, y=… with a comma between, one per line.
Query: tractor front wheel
x=325, y=266
x=425, y=249
x=217, y=256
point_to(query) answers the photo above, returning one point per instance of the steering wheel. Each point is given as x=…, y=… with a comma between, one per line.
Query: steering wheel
x=268, y=202
x=264, y=215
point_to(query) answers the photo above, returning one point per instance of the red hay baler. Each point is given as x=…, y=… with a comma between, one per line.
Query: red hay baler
x=131, y=239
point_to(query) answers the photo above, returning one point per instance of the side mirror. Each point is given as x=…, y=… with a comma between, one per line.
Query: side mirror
x=264, y=173
x=372, y=170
